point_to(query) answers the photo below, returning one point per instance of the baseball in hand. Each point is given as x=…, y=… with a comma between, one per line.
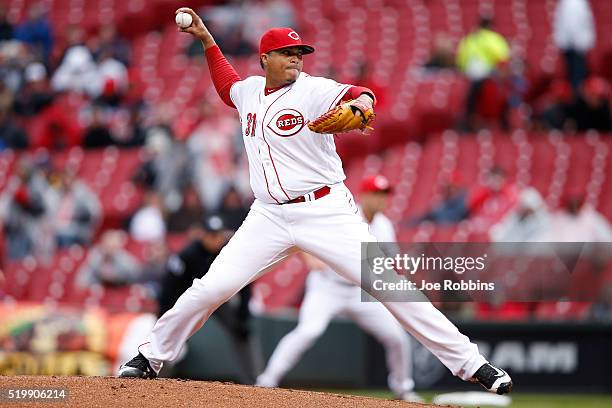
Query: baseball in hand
x=183, y=19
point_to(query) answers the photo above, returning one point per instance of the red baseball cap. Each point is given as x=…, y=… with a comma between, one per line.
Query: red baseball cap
x=375, y=184
x=277, y=38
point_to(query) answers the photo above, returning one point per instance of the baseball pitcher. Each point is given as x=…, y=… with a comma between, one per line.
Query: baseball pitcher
x=301, y=202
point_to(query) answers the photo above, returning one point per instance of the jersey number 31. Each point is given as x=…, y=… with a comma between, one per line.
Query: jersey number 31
x=251, y=124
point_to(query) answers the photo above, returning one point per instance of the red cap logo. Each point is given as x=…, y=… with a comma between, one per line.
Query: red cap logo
x=277, y=38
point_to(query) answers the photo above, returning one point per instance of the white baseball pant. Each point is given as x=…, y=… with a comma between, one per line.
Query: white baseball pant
x=326, y=299
x=328, y=228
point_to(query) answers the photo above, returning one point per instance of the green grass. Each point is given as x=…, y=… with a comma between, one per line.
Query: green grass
x=519, y=400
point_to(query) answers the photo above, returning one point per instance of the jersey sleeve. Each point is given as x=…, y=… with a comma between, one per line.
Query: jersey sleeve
x=243, y=89
x=235, y=92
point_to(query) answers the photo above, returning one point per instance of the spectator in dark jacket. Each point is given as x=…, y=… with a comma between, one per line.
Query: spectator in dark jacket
x=98, y=133
x=451, y=209
x=35, y=95
x=190, y=213
x=592, y=108
x=233, y=209
x=11, y=136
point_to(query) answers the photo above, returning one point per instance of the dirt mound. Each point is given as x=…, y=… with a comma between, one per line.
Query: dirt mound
x=114, y=392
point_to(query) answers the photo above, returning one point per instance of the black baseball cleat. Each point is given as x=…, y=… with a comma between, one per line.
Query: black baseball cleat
x=493, y=379
x=138, y=367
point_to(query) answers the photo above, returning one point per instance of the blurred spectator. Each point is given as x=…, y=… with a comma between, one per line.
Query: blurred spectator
x=193, y=262
x=76, y=211
x=51, y=126
x=574, y=35
x=211, y=153
x=442, y=54
x=11, y=135
x=98, y=133
x=153, y=269
x=35, y=94
x=451, y=209
x=233, y=209
x=227, y=21
x=578, y=222
x=148, y=223
x=165, y=165
x=108, y=263
x=489, y=202
x=6, y=97
x=558, y=106
x=73, y=36
x=55, y=128
x=6, y=28
x=125, y=123
x=36, y=31
x=110, y=42
x=22, y=207
x=515, y=112
x=528, y=222
x=77, y=72
x=480, y=54
x=190, y=214
x=14, y=56
x=112, y=79
x=592, y=107
x=135, y=134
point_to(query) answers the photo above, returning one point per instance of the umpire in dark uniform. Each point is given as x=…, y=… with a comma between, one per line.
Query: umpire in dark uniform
x=192, y=262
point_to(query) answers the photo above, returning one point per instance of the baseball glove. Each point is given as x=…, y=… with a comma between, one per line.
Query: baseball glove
x=343, y=118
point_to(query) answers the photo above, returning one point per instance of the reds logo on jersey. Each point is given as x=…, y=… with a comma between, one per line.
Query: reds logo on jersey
x=286, y=122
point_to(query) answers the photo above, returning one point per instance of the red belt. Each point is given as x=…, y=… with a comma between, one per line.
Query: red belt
x=315, y=195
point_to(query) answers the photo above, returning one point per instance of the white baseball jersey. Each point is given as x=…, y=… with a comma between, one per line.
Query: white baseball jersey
x=286, y=159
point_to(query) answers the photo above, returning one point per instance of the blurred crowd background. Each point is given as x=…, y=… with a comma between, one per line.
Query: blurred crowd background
x=493, y=125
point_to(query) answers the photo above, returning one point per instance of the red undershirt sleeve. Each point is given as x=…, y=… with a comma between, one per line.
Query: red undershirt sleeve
x=222, y=73
x=354, y=92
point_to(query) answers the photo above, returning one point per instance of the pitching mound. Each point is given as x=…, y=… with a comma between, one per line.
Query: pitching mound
x=114, y=392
